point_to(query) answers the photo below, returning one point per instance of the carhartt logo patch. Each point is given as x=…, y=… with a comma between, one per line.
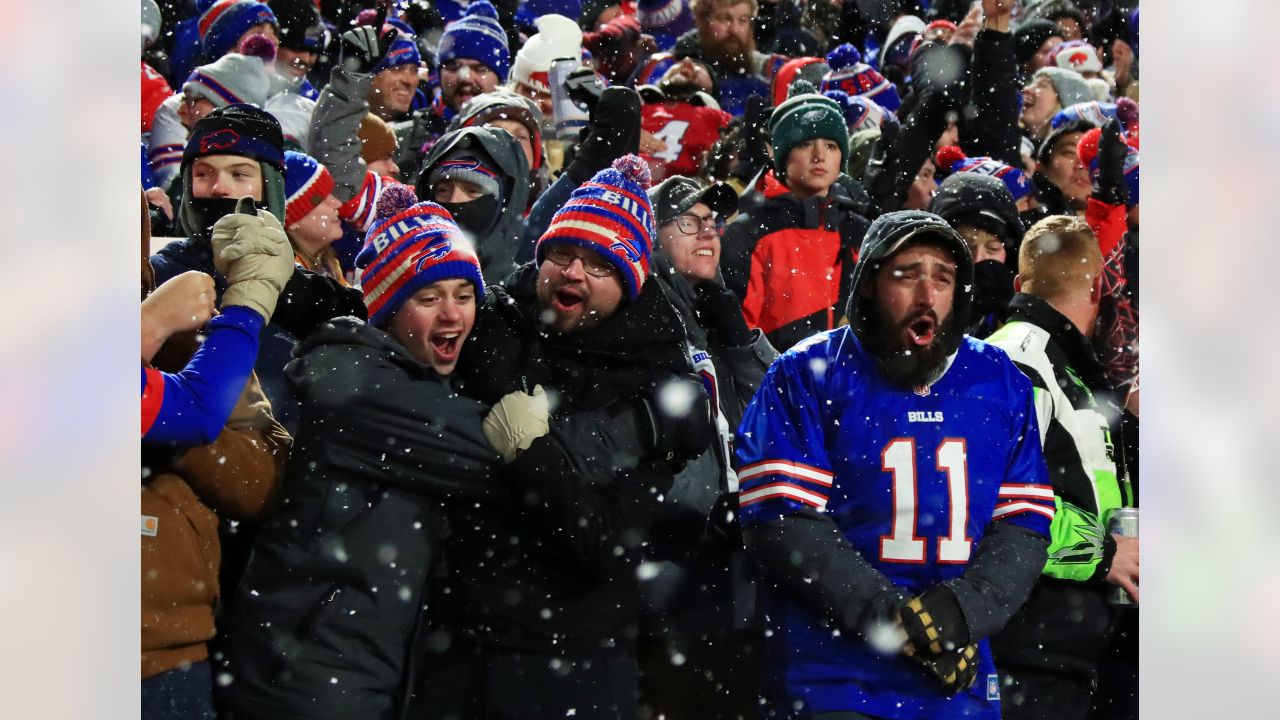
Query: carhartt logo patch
x=150, y=525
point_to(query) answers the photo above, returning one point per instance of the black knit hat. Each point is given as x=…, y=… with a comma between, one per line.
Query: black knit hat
x=239, y=129
x=300, y=25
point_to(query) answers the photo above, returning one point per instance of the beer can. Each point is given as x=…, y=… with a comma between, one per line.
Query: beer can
x=1122, y=521
x=568, y=118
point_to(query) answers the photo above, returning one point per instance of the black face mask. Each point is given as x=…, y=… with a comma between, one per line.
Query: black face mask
x=475, y=216
x=207, y=211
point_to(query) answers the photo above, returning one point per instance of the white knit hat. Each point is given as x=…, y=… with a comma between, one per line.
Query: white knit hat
x=557, y=37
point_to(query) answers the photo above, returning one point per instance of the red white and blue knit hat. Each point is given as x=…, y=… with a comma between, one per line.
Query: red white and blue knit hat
x=306, y=184
x=951, y=159
x=409, y=247
x=610, y=214
x=225, y=21
x=850, y=74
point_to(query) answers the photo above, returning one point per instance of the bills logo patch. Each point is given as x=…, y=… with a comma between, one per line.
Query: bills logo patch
x=220, y=140
x=435, y=250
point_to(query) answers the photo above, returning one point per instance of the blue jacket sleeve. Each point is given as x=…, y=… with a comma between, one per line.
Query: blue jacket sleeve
x=196, y=402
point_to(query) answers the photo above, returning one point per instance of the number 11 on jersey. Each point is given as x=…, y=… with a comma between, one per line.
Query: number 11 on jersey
x=902, y=544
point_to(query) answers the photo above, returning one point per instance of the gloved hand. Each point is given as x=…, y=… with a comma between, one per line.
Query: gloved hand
x=516, y=421
x=755, y=139
x=363, y=48
x=954, y=670
x=614, y=131
x=677, y=420
x=934, y=623
x=992, y=289
x=720, y=314
x=584, y=87
x=1108, y=184
x=254, y=254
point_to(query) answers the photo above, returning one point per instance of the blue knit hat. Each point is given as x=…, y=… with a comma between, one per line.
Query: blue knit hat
x=610, y=214
x=951, y=159
x=403, y=51
x=409, y=247
x=478, y=36
x=850, y=74
x=226, y=20
x=306, y=185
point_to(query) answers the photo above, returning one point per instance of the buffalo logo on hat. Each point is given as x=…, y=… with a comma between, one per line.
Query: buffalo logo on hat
x=627, y=247
x=434, y=250
x=220, y=140
x=1078, y=58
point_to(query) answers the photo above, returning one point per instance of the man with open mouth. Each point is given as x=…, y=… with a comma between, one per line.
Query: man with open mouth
x=894, y=491
x=547, y=584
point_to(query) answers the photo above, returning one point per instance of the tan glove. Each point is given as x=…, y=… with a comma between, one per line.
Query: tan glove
x=254, y=254
x=516, y=421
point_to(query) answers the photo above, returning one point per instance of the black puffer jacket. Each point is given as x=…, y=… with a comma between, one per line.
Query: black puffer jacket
x=335, y=588
x=553, y=570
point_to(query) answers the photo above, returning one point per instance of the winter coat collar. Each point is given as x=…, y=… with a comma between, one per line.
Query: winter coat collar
x=354, y=331
x=1079, y=352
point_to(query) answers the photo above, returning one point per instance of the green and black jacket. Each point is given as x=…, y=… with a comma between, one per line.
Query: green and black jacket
x=1063, y=626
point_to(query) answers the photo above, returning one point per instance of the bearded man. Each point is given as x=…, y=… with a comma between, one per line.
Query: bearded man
x=894, y=492
x=723, y=38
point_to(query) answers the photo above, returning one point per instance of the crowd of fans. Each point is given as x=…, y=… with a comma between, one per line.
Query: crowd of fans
x=463, y=324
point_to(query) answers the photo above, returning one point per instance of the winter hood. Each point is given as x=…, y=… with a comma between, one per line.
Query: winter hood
x=980, y=200
x=887, y=235
x=497, y=245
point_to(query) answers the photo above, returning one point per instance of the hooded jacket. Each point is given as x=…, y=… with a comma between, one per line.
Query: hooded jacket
x=575, y=594
x=884, y=239
x=497, y=244
x=1063, y=627
x=790, y=261
x=337, y=581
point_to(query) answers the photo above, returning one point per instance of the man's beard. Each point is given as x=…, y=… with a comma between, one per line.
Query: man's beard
x=909, y=367
x=679, y=88
x=730, y=56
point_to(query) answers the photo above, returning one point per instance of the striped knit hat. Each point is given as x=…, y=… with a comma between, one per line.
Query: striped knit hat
x=225, y=21
x=951, y=159
x=850, y=74
x=409, y=247
x=464, y=165
x=235, y=78
x=306, y=184
x=611, y=215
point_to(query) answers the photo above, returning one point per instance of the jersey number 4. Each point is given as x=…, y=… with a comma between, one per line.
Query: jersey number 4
x=671, y=134
x=902, y=544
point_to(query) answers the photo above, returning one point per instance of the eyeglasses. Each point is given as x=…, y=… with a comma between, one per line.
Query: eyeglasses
x=563, y=257
x=690, y=224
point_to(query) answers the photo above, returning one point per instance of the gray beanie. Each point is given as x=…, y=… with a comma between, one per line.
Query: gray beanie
x=232, y=78
x=1069, y=84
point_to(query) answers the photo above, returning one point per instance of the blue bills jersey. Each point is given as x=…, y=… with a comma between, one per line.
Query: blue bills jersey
x=912, y=478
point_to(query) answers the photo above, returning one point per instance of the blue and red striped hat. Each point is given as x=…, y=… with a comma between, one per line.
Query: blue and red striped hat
x=610, y=214
x=409, y=247
x=850, y=74
x=225, y=21
x=951, y=159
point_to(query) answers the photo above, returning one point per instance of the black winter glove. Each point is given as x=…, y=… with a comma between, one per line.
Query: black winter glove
x=678, y=419
x=992, y=289
x=614, y=131
x=1109, y=185
x=363, y=48
x=720, y=314
x=584, y=87
x=934, y=623
x=954, y=670
x=879, y=176
x=755, y=139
